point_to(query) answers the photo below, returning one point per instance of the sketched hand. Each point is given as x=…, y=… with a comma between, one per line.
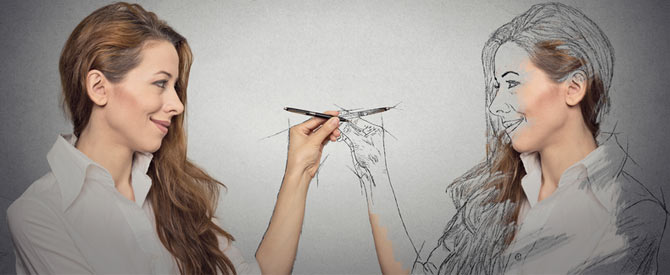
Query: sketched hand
x=365, y=141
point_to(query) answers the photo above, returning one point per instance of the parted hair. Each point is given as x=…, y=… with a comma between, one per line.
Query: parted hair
x=182, y=195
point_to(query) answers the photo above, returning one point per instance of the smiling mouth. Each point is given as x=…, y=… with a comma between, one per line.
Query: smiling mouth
x=511, y=125
x=162, y=125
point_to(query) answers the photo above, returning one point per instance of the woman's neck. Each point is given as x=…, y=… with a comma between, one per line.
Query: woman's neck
x=574, y=146
x=114, y=157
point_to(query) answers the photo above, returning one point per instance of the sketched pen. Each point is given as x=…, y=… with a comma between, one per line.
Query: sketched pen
x=315, y=114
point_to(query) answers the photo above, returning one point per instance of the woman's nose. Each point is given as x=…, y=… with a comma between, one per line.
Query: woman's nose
x=173, y=103
x=499, y=106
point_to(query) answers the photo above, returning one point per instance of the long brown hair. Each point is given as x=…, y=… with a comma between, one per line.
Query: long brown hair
x=559, y=40
x=183, y=196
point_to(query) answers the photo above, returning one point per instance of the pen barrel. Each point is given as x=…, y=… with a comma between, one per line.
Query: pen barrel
x=311, y=113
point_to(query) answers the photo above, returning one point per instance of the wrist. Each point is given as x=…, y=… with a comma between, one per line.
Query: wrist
x=296, y=178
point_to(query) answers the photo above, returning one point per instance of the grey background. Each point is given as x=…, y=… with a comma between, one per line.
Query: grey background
x=252, y=58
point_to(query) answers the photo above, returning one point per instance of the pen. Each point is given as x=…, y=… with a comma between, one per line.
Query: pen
x=310, y=113
x=370, y=111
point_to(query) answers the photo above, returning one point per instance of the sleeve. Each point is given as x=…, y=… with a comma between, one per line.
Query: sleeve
x=41, y=243
x=235, y=256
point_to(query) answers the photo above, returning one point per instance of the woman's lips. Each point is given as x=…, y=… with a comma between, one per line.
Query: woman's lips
x=161, y=124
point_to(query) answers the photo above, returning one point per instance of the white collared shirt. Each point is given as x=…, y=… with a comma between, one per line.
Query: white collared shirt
x=593, y=222
x=74, y=221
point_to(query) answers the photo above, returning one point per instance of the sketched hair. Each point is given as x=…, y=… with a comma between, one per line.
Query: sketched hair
x=182, y=195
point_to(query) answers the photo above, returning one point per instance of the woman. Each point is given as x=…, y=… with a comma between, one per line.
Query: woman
x=122, y=197
x=548, y=198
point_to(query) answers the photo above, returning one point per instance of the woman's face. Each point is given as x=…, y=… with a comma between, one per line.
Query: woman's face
x=142, y=104
x=529, y=105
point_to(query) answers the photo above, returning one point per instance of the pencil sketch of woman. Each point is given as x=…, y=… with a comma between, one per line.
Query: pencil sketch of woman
x=548, y=198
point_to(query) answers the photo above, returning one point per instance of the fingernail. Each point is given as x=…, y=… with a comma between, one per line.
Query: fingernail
x=334, y=121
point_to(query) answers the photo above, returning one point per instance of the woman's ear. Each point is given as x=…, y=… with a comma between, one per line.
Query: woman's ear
x=97, y=87
x=576, y=85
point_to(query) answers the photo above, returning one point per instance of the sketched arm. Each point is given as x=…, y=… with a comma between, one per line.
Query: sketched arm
x=396, y=252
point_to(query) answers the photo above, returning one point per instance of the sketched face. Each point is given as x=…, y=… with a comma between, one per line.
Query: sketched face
x=143, y=103
x=528, y=104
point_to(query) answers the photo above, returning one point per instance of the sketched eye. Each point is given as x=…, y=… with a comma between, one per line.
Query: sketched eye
x=161, y=83
x=512, y=83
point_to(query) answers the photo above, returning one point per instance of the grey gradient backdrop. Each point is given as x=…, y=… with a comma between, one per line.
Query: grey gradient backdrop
x=252, y=58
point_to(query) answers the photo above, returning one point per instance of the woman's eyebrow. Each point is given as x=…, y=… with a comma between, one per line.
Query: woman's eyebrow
x=164, y=72
x=509, y=72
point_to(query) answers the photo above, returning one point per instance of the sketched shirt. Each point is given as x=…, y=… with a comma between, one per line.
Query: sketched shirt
x=74, y=221
x=599, y=220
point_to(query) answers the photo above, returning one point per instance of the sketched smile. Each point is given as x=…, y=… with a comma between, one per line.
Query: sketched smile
x=511, y=125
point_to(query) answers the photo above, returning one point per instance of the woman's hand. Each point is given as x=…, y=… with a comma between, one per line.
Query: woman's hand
x=306, y=142
x=277, y=251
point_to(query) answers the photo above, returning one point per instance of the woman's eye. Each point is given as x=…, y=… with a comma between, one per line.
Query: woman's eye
x=161, y=83
x=512, y=83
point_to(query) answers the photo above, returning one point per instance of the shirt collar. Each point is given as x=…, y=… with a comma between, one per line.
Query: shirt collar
x=71, y=168
x=140, y=180
x=532, y=181
x=598, y=169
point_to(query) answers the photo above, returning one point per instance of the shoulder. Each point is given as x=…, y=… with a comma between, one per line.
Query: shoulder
x=39, y=204
x=630, y=194
x=631, y=244
x=638, y=212
x=618, y=190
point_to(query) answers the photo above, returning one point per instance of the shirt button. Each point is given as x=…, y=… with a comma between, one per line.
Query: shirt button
x=517, y=256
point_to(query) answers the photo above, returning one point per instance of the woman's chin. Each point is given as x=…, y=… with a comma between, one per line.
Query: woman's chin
x=519, y=146
x=524, y=146
x=150, y=147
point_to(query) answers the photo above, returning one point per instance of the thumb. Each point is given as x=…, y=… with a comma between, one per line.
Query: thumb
x=325, y=130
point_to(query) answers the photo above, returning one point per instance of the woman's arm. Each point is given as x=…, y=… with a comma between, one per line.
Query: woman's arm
x=41, y=243
x=277, y=250
x=396, y=252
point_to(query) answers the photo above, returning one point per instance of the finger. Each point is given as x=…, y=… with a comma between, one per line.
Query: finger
x=335, y=134
x=325, y=130
x=311, y=124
